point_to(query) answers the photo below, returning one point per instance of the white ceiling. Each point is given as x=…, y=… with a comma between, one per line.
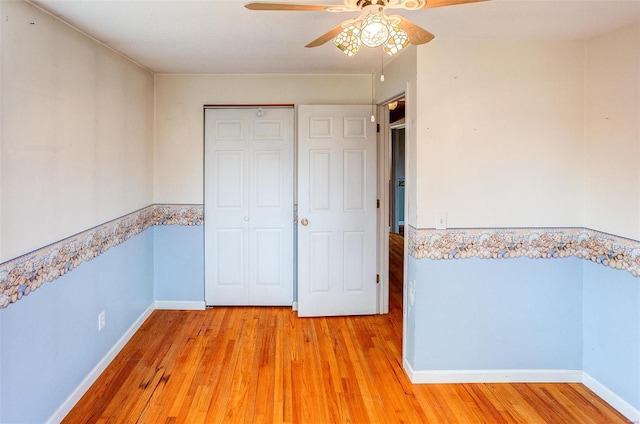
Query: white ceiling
x=216, y=36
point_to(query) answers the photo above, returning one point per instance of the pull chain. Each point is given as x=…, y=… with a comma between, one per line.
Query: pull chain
x=381, y=65
x=373, y=105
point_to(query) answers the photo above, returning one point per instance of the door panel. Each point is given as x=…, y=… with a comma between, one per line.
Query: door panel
x=268, y=251
x=319, y=275
x=354, y=261
x=354, y=183
x=229, y=177
x=267, y=179
x=227, y=129
x=320, y=180
x=269, y=130
x=337, y=202
x=355, y=126
x=229, y=248
x=320, y=127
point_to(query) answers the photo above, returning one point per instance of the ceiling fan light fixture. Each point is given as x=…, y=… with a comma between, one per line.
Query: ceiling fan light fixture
x=348, y=40
x=372, y=27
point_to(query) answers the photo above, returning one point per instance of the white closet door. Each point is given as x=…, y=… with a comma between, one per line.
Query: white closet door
x=249, y=206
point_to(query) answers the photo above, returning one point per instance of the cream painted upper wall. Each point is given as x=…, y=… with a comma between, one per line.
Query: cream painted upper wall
x=77, y=132
x=179, y=117
x=397, y=73
x=400, y=78
x=500, y=133
x=612, y=145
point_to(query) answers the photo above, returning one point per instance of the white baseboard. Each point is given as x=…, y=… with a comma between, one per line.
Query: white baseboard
x=493, y=376
x=525, y=376
x=185, y=305
x=93, y=375
x=611, y=398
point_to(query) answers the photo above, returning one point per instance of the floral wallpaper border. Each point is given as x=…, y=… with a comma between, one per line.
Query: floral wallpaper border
x=539, y=243
x=24, y=274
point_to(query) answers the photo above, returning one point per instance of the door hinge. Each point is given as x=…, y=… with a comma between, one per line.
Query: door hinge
x=377, y=278
x=377, y=128
x=377, y=203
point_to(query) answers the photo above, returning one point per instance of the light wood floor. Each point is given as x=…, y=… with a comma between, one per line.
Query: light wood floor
x=266, y=365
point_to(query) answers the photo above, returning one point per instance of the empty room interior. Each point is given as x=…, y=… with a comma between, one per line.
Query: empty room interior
x=360, y=211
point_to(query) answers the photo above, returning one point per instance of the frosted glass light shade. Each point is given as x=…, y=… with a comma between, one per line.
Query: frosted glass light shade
x=374, y=30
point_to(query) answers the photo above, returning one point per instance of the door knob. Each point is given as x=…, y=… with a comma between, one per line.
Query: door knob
x=304, y=222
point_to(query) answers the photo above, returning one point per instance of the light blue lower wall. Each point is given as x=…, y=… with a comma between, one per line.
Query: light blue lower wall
x=410, y=335
x=477, y=314
x=179, y=263
x=49, y=341
x=612, y=330
x=468, y=314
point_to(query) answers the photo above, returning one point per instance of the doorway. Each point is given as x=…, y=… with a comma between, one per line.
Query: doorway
x=396, y=197
x=396, y=205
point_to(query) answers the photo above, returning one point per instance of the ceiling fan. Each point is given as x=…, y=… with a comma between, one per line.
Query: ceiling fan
x=373, y=27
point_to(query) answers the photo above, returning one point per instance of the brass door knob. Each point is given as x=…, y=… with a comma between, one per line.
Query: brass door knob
x=304, y=222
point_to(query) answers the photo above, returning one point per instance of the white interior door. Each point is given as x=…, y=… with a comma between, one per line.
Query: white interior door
x=249, y=206
x=336, y=211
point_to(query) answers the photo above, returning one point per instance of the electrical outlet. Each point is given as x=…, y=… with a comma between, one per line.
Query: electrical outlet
x=101, y=320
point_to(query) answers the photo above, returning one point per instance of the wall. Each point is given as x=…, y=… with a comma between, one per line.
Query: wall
x=500, y=130
x=499, y=144
x=611, y=333
x=77, y=132
x=180, y=117
x=76, y=152
x=179, y=149
x=510, y=315
x=50, y=340
x=611, y=314
x=400, y=78
x=612, y=129
x=523, y=145
x=397, y=72
x=179, y=266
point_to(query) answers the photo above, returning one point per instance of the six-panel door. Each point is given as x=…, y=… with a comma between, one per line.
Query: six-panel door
x=249, y=206
x=337, y=201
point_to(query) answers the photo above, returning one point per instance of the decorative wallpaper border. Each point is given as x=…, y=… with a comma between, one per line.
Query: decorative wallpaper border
x=539, y=243
x=24, y=274
x=178, y=215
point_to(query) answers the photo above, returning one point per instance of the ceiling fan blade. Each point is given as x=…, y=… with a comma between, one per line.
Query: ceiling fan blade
x=333, y=33
x=287, y=6
x=416, y=34
x=440, y=3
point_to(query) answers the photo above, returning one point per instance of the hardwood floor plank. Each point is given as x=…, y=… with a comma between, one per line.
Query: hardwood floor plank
x=266, y=365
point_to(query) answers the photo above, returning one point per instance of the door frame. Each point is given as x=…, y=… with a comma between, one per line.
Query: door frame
x=384, y=193
x=383, y=177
